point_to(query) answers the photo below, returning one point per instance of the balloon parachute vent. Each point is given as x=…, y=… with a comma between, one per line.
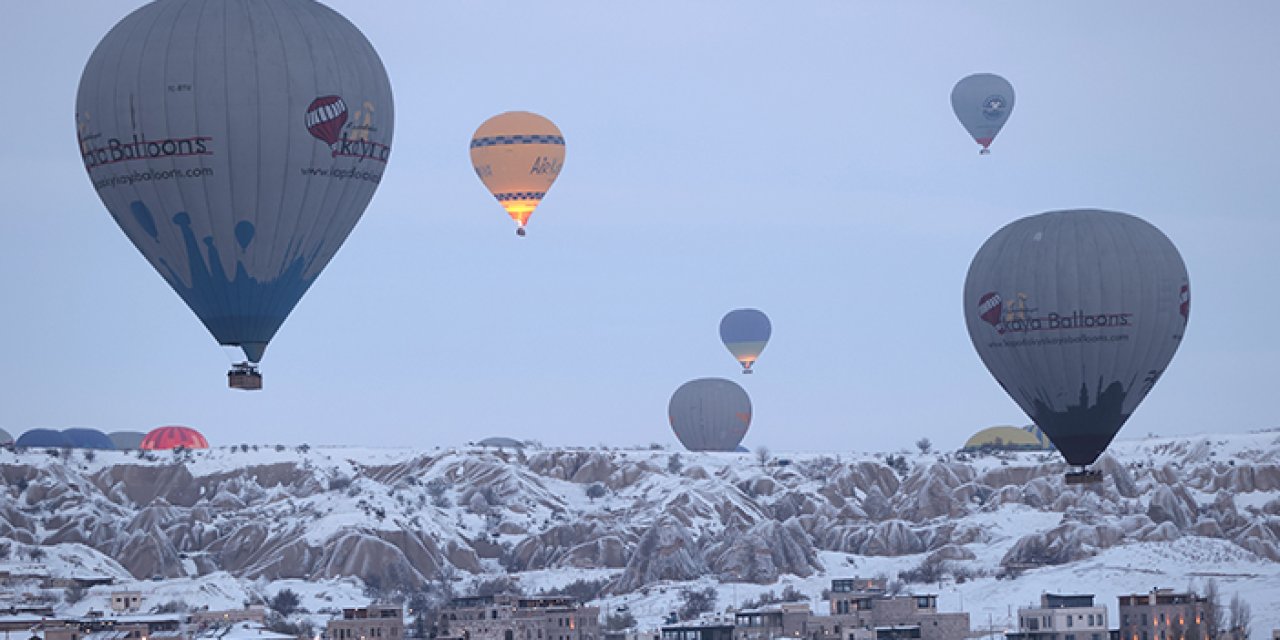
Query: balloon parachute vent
x=245, y=377
x=1084, y=476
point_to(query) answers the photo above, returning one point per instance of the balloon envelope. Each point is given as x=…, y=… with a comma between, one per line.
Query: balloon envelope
x=983, y=103
x=127, y=439
x=5, y=438
x=82, y=438
x=745, y=332
x=43, y=438
x=236, y=143
x=174, y=437
x=518, y=155
x=1077, y=314
x=710, y=414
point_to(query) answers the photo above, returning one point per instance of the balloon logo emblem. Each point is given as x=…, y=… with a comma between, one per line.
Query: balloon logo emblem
x=1185, y=307
x=989, y=307
x=325, y=118
x=993, y=108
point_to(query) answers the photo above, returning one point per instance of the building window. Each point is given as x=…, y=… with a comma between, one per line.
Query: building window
x=1070, y=623
x=1144, y=623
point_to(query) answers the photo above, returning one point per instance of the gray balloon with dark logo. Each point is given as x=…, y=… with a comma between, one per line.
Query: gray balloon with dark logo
x=710, y=414
x=1077, y=314
x=982, y=102
x=236, y=143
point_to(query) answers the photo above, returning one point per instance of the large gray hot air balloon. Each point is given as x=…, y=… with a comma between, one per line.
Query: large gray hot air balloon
x=710, y=414
x=236, y=143
x=983, y=103
x=5, y=438
x=127, y=439
x=1077, y=313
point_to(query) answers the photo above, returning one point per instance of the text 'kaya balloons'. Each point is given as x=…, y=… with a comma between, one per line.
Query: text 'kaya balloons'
x=982, y=102
x=745, y=332
x=1077, y=314
x=236, y=143
x=710, y=414
x=518, y=155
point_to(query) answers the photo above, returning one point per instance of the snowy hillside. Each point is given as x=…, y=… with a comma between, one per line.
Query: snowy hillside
x=989, y=533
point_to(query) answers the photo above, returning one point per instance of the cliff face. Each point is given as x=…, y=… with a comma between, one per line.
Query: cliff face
x=409, y=518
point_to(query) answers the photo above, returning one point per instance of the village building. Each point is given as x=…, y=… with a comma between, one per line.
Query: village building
x=1162, y=614
x=126, y=601
x=864, y=603
x=511, y=617
x=1062, y=617
x=374, y=622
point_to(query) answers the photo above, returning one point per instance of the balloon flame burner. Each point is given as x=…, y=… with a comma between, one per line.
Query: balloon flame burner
x=244, y=376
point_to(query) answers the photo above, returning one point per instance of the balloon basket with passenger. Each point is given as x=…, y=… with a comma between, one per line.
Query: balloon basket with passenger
x=244, y=376
x=1083, y=475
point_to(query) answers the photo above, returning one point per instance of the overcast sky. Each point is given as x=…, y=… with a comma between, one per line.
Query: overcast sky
x=801, y=158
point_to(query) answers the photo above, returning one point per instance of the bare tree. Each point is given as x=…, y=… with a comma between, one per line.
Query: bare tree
x=596, y=490
x=1240, y=618
x=924, y=445
x=695, y=602
x=762, y=454
x=1212, y=610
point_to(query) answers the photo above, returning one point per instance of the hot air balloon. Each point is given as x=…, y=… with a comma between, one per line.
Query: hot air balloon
x=127, y=439
x=982, y=102
x=236, y=143
x=745, y=332
x=710, y=414
x=43, y=438
x=1077, y=314
x=173, y=437
x=5, y=438
x=82, y=438
x=518, y=155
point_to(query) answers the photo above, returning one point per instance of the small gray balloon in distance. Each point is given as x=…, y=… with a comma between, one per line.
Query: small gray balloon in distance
x=236, y=143
x=5, y=438
x=1077, y=314
x=983, y=103
x=127, y=439
x=710, y=414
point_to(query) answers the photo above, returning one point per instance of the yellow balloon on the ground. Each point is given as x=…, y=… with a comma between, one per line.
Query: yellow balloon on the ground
x=518, y=155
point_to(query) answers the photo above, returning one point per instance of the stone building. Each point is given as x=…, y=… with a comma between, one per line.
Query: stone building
x=695, y=631
x=204, y=619
x=511, y=617
x=862, y=603
x=1062, y=617
x=126, y=601
x=1162, y=614
x=375, y=622
x=772, y=621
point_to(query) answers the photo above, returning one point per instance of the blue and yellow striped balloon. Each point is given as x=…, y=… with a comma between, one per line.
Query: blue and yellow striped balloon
x=745, y=332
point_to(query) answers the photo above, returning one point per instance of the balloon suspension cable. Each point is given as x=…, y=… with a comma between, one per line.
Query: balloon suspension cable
x=244, y=376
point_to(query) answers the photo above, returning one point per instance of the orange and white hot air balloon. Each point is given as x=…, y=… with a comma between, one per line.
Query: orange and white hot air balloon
x=518, y=155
